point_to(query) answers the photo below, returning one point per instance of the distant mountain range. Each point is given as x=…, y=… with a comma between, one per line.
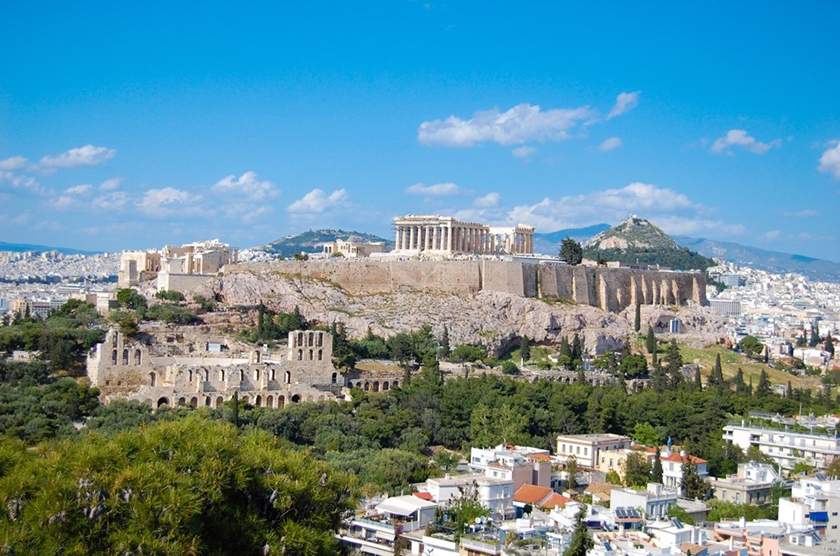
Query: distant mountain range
x=753, y=257
x=21, y=247
x=311, y=241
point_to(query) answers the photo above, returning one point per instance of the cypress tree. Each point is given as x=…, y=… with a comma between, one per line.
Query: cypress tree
x=763, y=388
x=581, y=542
x=577, y=348
x=565, y=348
x=698, y=382
x=525, y=349
x=656, y=473
x=444, y=342
x=789, y=392
x=829, y=344
x=815, y=336
x=650, y=341
x=637, y=324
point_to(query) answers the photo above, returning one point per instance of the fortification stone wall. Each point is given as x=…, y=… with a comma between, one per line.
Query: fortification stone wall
x=611, y=289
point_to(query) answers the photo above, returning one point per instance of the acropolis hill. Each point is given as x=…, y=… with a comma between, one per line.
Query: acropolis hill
x=610, y=289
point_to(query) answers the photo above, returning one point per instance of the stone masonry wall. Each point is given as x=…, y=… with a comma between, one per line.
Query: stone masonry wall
x=611, y=289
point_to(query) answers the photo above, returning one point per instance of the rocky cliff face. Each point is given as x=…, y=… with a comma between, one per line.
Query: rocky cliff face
x=492, y=319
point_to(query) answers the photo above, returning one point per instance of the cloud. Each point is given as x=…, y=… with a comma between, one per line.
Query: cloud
x=63, y=202
x=740, y=138
x=166, y=202
x=772, y=234
x=610, y=144
x=26, y=184
x=609, y=205
x=317, y=201
x=487, y=201
x=79, y=189
x=624, y=103
x=830, y=160
x=88, y=155
x=16, y=163
x=113, y=201
x=437, y=190
x=110, y=184
x=247, y=185
x=522, y=123
x=804, y=213
x=524, y=151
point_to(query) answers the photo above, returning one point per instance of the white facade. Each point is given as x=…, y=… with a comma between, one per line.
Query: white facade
x=814, y=502
x=652, y=502
x=503, y=454
x=673, y=469
x=586, y=449
x=494, y=494
x=786, y=447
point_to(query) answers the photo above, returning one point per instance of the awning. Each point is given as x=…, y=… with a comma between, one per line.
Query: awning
x=819, y=516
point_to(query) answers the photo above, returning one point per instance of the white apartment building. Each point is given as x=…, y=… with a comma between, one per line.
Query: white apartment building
x=815, y=502
x=652, y=502
x=587, y=448
x=786, y=447
x=493, y=493
x=750, y=485
x=674, y=466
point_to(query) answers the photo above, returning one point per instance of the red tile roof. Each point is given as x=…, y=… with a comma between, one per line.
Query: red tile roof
x=682, y=459
x=555, y=500
x=532, y=494
x=423, y=495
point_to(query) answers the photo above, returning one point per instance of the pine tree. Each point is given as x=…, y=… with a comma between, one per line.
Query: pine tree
x=738, y=381
x=656, y=473
x=716, y=377
x=581, y=542
x=445, y=348
x=650, y=341
x=637, y=323
x=698, y=381
x=571, y=252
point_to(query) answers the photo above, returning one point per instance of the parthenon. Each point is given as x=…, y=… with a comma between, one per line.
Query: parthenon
x=446, y=235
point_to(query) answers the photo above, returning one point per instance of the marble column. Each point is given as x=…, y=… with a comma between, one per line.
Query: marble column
x=448, y=238
x=411, y=237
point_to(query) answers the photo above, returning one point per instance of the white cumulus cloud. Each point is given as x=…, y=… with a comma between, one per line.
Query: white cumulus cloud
x=524, y=151
x=79, y=189
x=522, y=123
x=248, y=185
x=610, y=144
x=161, y=203
x=317, y=201
x=89, y=155
x=830, y=160
x=110, y=184
x=113, y=201
x=487, y=201
x=436, y=190
x=740, y=138
x=624, y=102
x=16, y=163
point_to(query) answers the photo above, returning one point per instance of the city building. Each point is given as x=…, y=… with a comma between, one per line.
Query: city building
x=520, y=464
x=785, y=445
x=674, y=467
x=445, y=235
x=728, y=307
x=750, y=485
x=587, y=449
x=493, y=493
x=653, y=502
x=813, y=502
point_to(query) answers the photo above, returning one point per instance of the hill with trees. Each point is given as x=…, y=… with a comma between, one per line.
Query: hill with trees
x=313, y=240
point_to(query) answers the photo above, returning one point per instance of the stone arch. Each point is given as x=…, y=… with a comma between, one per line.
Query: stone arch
x=115, y=339
x=396, y=383
x=320, y=339
x=222, y=375
x=207, y=401
x=311, y=355
x=295, y=398
x=311, y=339
x=269, y=401
x=125, y=357
x=219, y=401
x=367, y=386
x=300, y=355
x=114, y=357
x=321, y=398
x=320, y=355
x=194, y=402
x=281, y=402
x=182, y=401
x=288, y=377
x=334, y=378
x=309, y=398
x=376, y=386
x=148, y=402
x=162, y=401
x=138, y=357
x=258, y=400
x=256, y=374
x=152, y=379
x=300, y=339
x=385, y=385
x=246, y=399
x=272, y=374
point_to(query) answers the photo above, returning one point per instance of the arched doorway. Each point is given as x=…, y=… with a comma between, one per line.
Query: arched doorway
x=162, y=401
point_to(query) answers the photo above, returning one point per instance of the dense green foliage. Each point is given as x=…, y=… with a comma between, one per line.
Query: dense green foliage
x=181, y=487
x=679, y=258
x=170, y=295
x=571, y=252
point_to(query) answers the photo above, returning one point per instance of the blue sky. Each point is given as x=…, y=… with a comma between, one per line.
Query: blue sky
x=131, y=126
